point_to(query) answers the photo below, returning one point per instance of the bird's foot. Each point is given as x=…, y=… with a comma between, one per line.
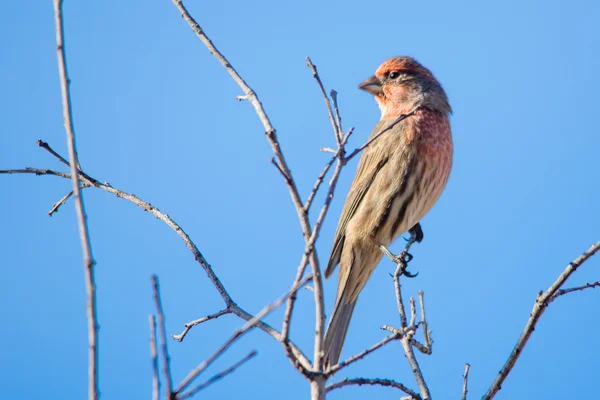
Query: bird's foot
x=401, y=260
x=416, y=233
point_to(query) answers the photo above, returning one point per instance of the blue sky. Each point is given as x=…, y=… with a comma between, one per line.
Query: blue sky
x=156, y=115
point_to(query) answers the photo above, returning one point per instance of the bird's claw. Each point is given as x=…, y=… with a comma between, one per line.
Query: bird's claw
x=408, y=274
x=404, y=258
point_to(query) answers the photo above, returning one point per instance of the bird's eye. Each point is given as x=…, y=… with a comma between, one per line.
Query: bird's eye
x=394, y=74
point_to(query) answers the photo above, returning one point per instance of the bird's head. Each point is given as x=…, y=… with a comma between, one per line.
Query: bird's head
x=401, y=83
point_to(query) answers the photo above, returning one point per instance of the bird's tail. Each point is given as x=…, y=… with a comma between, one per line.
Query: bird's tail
x=336, y=330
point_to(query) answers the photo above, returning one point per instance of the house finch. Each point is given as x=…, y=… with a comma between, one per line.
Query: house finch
x=399, y=177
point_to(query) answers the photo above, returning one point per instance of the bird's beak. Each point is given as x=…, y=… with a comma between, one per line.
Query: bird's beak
x=372, y=85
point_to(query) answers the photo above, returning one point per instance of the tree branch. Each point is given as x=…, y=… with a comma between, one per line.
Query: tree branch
x=154, y=356
x=335, y=368
x=465, y=382
x=379, y=382
x=88, y=261
x=218, y=376
x=541, y=302
x=562, y=292
x=170, y=395
x=191, y=324
x=236, y=335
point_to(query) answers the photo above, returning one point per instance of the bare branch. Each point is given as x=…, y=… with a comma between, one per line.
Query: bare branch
x=63, y=200
x=35, y=171
x=384, y=130
x=374, y=382
x=50, y=150
x=154, y=355
x=408, y=342
x=236, y=335
x=191, y=324
x=539, y=306
x=415, y=367
x=562, y=292
x=413, y=311
x=465, y=381
x=217, y=377
x=335, y=368
x=426, y=331
x=317, y=184
x=328, y=150
x=337, y=130
x=338, y=118
x=88, y=260
x=163, y=339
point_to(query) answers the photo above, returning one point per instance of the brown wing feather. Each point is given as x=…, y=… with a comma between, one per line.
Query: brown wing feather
x=369, y=165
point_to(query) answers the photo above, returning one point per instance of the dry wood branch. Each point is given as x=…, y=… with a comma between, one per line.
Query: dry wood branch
x=88, y=260
x=236, y=335
x=562, y=292
x=337, y=130
x=36, y=171
x=162, y=332
x=199, y=321
x=154, y=356
x=414, y=365
x=335, y=368
x=407, y=340
x=426, y=331
x=539, y=306
x=63, y=200
x=373, y=382
x=218, y=376
x=338, y=118
x=384, y=130
x=465, y=390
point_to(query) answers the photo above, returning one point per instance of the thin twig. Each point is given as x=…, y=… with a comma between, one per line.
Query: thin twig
x=317, y=184
x=162, y=331
x=539, y=306
x=63, y=200
x=397, y=274
x=426, y=332
x=408, y=343
x=465, y=381
x=50, y=150
x=154, y=356
x=217, y=377
x=378, y=382
x=88, y=260
x=236, y=335
x=384, y=130
x=413, y=311
x=338, y=118
x=36, y=171
x=335, y=368
x=191, y=324
x=562, y=292
x=337, y=131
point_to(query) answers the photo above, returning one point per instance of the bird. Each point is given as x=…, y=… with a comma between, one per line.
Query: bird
x=400, y=176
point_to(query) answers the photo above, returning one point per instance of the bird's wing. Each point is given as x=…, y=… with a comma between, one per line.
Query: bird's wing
x=371, y=162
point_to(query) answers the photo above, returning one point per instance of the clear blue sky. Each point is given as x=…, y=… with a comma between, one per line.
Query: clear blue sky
x=156, y=115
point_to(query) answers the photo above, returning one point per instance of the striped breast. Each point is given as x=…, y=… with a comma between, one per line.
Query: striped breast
x=422, y=174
